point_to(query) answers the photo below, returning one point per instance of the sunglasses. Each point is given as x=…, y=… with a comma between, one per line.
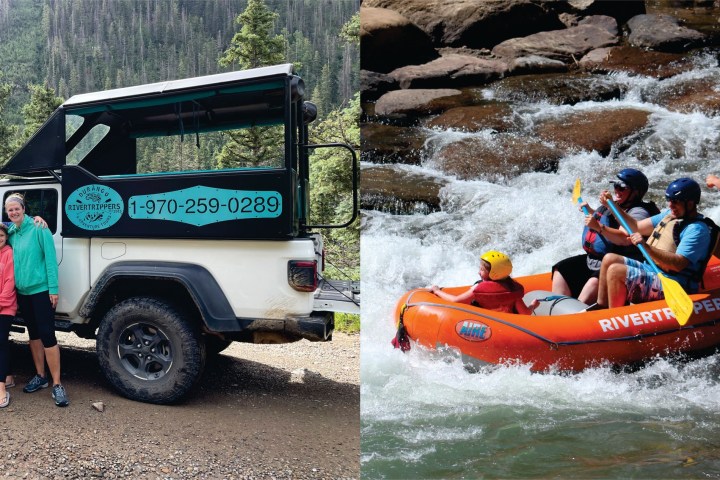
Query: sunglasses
x=620, y=188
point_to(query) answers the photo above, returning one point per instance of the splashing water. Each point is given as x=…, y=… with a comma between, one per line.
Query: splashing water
x=425, y=416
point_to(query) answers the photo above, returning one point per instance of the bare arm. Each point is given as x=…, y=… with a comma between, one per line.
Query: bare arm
x=523, y=309
x=644, y=226
x=618, y=236
x=587, y=207
x=465, y=297
x=668, y=261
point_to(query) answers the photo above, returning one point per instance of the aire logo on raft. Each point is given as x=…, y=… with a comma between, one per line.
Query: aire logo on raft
x=657, y=315
x=473, y=331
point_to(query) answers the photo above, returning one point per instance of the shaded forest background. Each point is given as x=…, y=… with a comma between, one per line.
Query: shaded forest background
x=77, y=46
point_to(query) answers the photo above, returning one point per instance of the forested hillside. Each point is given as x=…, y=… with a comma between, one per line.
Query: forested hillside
x=85, y=45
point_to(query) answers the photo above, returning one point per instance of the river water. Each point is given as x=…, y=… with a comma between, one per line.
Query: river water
x=425, y=416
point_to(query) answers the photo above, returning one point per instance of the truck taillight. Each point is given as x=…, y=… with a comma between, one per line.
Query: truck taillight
x=302, y=275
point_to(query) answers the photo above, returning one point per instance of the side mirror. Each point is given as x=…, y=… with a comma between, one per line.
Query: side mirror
x=309, y=112
x=297, y=88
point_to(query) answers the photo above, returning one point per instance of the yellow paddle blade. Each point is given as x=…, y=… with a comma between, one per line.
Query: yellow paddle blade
x=677, y=299
x=576, y=192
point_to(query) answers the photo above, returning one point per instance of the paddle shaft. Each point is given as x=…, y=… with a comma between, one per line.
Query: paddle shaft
x=642, y=248
x=584, y=208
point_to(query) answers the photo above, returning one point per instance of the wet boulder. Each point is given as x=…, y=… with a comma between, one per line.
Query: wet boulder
x=700, y=15
x=535, y=64
x=388, y=40
x=662, y=32
x=636, y=61
x=560, y=89
x=565, y=45
x=495, y=116
x=398, y=191
x=592, y=130
x=473, y=23
x=620, y=11
x=391, y=144
x=452, y=70
x=700, y=95
x=407, y=106
x=374, y=85
x=501, y=155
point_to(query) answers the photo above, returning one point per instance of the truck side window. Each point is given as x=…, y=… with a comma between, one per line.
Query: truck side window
x=38, y=202
x=86, y=144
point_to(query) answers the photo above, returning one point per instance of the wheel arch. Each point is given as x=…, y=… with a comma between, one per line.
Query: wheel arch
x=184, y=284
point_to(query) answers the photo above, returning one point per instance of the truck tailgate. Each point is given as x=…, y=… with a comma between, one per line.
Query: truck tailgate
x=337, y=296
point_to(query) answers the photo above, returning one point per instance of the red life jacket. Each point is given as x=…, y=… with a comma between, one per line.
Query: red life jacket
x=500, y=296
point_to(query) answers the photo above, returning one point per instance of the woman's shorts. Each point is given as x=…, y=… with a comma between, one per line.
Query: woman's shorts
x=576, y=271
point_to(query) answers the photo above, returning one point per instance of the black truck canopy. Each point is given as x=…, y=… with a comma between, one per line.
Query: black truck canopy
x=214, y=102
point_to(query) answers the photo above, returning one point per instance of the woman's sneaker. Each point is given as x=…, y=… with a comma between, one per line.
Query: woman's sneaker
x=60, y=396
x=36, y=383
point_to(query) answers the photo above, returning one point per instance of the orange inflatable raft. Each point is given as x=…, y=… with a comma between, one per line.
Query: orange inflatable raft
x=561, y=336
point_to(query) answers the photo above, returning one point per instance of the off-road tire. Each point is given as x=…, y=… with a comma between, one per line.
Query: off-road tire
x=149, y=351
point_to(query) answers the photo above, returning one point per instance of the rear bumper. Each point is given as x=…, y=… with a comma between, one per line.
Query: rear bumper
x=316, y=327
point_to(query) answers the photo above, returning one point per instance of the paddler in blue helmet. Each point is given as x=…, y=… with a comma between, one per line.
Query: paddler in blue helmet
x=680, y=242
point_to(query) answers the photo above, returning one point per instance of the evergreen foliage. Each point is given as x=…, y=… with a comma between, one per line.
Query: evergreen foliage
x=43, y=103
x=7, y=132
x=88, y=45
x=331, y=198
x=254, y=46
x=331, y=188
x=351, y=30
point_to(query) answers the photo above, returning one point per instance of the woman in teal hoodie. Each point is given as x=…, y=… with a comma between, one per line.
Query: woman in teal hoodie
x=36, y=280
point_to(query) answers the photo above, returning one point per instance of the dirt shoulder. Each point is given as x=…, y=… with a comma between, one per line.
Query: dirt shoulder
x=261, y=411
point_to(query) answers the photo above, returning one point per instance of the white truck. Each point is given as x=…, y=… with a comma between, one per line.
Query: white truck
x=166, y=267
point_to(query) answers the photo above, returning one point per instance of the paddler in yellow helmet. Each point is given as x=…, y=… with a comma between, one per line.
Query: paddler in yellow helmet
x=495, y=290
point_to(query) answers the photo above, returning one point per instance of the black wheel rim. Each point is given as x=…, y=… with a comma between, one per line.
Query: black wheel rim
x=145, y=351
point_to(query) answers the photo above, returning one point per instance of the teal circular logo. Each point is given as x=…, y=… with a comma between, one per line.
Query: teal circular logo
x=94, y=207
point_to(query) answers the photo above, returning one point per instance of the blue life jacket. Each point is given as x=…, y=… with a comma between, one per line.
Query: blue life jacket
x=597, y=246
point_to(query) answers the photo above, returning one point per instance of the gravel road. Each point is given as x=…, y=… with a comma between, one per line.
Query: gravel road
x=261, y=411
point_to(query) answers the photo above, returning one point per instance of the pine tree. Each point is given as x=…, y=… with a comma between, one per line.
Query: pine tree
x=348, y=78
x=350, y=32
x=254, y=46
x=322, y=94
x=42, y=104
